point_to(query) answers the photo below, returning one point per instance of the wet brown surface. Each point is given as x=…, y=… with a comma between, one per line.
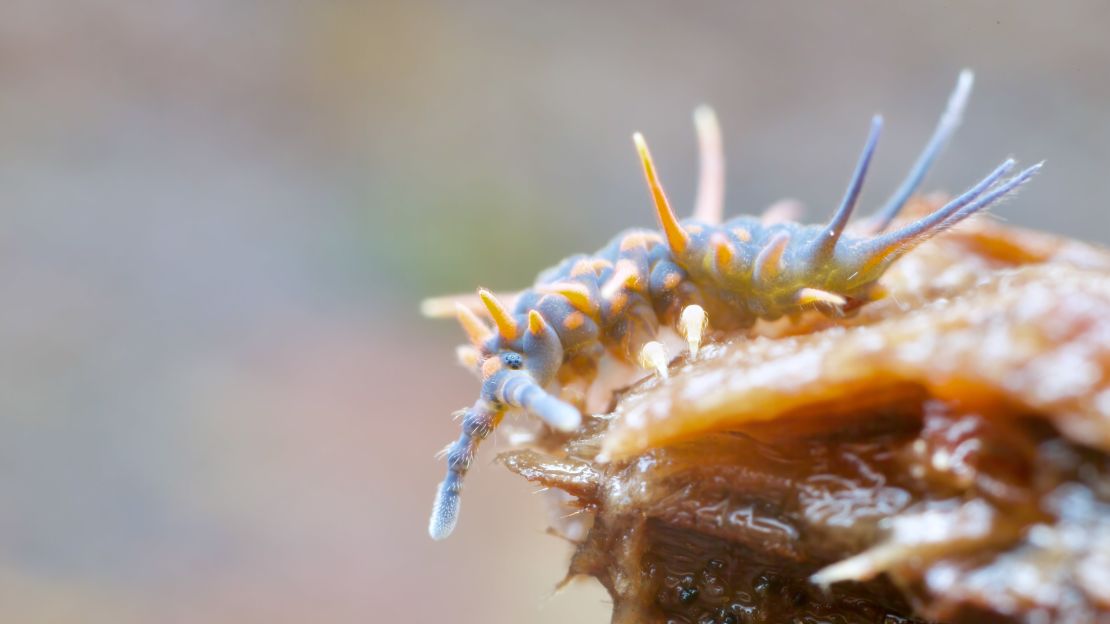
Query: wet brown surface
x=932, y=458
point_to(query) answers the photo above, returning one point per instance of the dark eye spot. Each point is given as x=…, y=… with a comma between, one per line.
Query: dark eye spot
x=512, y=360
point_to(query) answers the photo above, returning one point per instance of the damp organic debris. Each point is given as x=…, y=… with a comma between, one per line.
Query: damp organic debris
x=942, y=456
x=849, y=422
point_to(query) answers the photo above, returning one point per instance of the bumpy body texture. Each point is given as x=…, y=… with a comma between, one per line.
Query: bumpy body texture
x=734, y=272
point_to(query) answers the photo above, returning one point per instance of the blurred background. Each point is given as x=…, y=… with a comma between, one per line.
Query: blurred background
x=218, y=402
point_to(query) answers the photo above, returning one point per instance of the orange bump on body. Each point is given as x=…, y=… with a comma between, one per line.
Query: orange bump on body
x=574, y=320
x=743, y=234
x=633, y=241
x=768, y=264
x=671, y=281
x=582, y=267
x=536, y=323
x=577, y=294
x=601, y=265
x=627, y=274
x=723, y=252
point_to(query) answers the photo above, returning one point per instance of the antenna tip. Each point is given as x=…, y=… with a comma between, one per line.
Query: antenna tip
x=445, y=510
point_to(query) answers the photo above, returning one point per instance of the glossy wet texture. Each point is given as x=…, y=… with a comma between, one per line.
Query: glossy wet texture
x=941, y=456
x=709, y=581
